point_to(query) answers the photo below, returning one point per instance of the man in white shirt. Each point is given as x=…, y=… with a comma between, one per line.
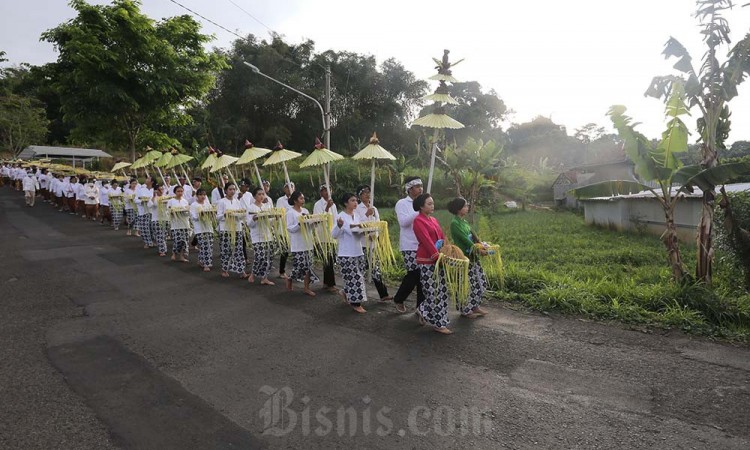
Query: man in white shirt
x=327, y=205
x=105, y=213
x=30, y=185
x=218, y=192
x=197, y=182
x=43, y=184
x=267, y=188
x=408, y=243
x=283, y=202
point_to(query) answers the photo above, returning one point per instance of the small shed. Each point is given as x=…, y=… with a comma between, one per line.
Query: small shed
x=641, y=212
x=617, y=169
x=74, y=154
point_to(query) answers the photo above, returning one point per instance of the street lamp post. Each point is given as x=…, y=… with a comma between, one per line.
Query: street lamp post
x=325, y=115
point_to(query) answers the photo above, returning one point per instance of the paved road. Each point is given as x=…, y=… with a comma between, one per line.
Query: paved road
x=103, y=344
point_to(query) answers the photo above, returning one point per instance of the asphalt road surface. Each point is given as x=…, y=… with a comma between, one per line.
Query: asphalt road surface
x=105, y=345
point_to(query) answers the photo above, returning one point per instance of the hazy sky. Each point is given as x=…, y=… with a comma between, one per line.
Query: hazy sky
x=568, y=60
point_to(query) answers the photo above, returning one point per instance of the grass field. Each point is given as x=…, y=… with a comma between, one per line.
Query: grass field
x=553, y=261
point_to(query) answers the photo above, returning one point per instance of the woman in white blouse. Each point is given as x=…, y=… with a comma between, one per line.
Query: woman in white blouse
x=302, y=252
x=261, y=237
x=367, y=212
x=116, y=204
x=179, y=218
x=159, y=220
x=231, y=237
x=351, y=259
x=204, y=231
x=129, y=200
x=91, y=199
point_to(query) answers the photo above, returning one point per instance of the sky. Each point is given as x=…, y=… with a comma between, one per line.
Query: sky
x=567, y=60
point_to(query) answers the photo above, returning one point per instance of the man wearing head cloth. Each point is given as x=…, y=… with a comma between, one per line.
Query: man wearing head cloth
x=267, y=187
x=327, y=205
x=408, y=243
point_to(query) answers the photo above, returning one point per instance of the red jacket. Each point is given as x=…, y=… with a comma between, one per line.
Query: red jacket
x=428, y=231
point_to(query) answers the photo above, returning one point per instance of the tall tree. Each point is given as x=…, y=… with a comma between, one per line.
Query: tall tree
x=709, y=88
x=22, y=122
x=122, y=75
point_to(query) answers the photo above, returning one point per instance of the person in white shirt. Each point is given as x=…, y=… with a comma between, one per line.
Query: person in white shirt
x=43, y=184
x=283, y=202
x=116, y=204
x=52, y=188
x=218, y=192
x=326, y=205
x=30, y=185
x=408, y=243
x=143, y=195
x=91, y=199
x=159, y=219
x=231, y=236
x=351, y=259
x=80, y=190
x=267, y=190
x=302, y=251
x=366, y=212
x=130, y=199
x=204, y=231
x=260, y=236
x=70, y=193
x=179, y=219
x=105, y=212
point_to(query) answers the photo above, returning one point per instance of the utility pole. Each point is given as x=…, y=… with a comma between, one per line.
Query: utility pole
x=327, y=131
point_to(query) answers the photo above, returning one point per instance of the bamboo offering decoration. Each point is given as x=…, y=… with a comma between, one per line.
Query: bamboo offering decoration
x=456, y=268
x=492, y=263
x=161, y=207
x=207, y=217
x=130, y=200
x=273, y=221
x=116, y=202
x=382, y=252
x=234, y=220
x=180, y=215
x=316, y=231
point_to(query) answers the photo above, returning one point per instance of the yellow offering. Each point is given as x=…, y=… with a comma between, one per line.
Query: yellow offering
x=381, y=253
x=316, y=231
x=456, y=268
x=492, y=262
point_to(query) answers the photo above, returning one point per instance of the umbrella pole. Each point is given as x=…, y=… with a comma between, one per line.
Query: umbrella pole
x=257, y=172
x=231, y=175
x=432, y=160
x=372, y=183
x=328, y=182
x=286, y=173
x=185, y=173
x=174, y=174
x=160, y=174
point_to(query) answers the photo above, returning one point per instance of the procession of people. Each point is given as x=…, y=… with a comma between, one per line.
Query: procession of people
x=251, y=233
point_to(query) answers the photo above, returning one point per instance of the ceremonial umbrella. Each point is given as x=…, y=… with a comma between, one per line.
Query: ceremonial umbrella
x=162, y=161
x=281, y=155
x=250, y=155
x=179, y=159
x=373, y=151
x=224, y=161
x=120, y=166
x=438, y=119
x=321, y=156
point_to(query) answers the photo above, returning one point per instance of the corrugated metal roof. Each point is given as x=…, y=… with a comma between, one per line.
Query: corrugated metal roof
x=39, y=151
x=697, y=193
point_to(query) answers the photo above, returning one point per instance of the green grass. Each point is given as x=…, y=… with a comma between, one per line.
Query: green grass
x=554, y=262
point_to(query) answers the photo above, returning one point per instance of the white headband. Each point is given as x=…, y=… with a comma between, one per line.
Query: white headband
x=412, y=183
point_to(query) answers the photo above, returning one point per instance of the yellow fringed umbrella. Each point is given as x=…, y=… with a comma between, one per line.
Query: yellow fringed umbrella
x=120, y=166
x=223, y=162
x=373, y=151
x=321, y=156
x=179, y=159
x=438, y=119
x=280, y=155
x=250, y=155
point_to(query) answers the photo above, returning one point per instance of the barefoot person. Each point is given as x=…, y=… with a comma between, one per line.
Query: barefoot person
x=143, y=195
x=366, y=212
x=159, y=219
x=179, y=219
x=464, y=238
x=204, y=230
x=326, y=205
x=231, y=237
x=131, y=212
x=260, y=236
x=302, y=251
x=408, y=243
x=434, y=308
x=351, y=258
x=283, y=202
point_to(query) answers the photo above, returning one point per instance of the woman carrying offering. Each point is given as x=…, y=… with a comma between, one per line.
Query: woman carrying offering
x=434, y=309
x=231, y=216
x=464, y=238
x=302, y=251
x=351, y=258
x=261, y=237
x=179, y=218
x=366, y=212
x=203, y=228
x=159, y=220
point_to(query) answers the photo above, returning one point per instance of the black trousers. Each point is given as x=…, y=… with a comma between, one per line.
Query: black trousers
x=382, y=290
x=410, y=281
x=329, y=277
x=282, y=262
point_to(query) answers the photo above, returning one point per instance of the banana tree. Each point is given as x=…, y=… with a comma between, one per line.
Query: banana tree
x=709, y=89
x=659, y=163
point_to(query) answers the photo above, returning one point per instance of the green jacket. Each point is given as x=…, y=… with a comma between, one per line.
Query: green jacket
x=462, y=236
